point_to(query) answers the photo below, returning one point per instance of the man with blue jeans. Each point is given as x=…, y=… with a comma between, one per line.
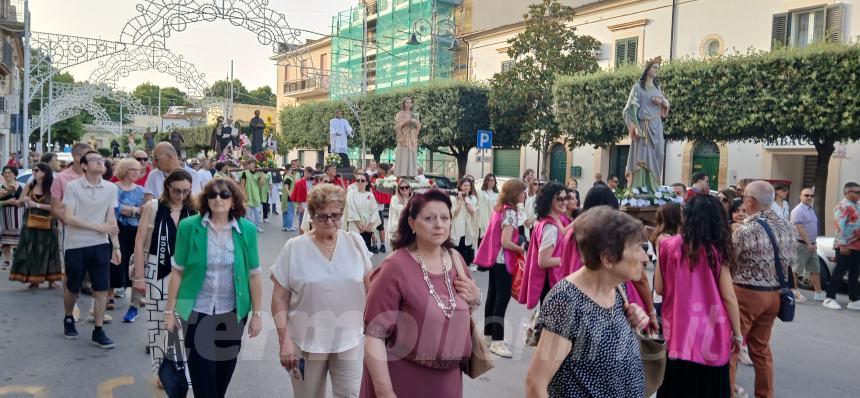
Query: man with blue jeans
x=847, y=245
x=287, y=206
x=91, y=231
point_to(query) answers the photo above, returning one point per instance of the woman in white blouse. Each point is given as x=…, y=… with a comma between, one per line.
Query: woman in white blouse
x=487, y=198
x=398, y=202
x=362, y=211
x=464, y=225
x=318, y=300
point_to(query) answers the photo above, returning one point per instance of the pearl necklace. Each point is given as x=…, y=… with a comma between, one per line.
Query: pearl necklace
x=448, y=310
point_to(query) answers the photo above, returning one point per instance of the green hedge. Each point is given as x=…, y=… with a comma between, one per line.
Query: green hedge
x=450, y=113
x=799, y=93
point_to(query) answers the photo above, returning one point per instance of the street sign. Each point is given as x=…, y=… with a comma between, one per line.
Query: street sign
x=485, y=139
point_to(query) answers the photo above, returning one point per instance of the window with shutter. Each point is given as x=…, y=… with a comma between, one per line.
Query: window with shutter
x=779, y=30
x=834, y=23
x=626, y=51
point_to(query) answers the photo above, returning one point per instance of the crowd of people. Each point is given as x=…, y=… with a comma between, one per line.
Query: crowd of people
x=182, y=234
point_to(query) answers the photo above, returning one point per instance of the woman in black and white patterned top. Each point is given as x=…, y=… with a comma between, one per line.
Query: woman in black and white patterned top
x=587, y=345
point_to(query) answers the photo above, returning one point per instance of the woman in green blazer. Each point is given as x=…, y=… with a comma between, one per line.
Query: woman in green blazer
x=214, y=284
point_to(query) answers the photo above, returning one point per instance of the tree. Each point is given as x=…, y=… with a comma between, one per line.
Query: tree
x=804, y=94
x=221, y=89
x=520, y=98
x=147, y=93
x=259, y=96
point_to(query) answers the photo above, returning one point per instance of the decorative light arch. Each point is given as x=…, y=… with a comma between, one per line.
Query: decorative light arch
x=124, y=63
x=158, y=19
x=72, y=98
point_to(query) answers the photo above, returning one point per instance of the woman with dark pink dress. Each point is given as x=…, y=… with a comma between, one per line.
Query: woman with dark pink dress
x=416, y=319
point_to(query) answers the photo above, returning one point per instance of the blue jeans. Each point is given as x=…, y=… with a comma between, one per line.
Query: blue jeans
x=288, y=215
x=254, y=215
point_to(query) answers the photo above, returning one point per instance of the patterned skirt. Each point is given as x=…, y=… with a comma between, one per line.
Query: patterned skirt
x=11, y=232
x=37, y=258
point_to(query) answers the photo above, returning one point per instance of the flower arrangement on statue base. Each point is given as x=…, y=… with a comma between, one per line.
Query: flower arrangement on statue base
x=645, y=191
x=333, y=159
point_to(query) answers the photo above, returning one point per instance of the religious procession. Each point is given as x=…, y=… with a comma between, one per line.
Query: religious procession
x=441, y=228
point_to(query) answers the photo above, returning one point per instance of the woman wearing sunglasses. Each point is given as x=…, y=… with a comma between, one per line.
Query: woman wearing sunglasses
x=362, y=211
x=398, y=202
x=544, y=256
x=214, y=285
x=154, y=247
x=313, y=323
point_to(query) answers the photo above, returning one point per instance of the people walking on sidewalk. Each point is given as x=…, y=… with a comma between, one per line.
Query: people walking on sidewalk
x=154, y=247
x=37, y=258
x=308, y=268
x=847, y=245
x=805, y=221
x=700, y=324
x=417, y=321
x=587, y=345
x=215, y=286
x=499, y=251
x=91, y=231
x=755, y=278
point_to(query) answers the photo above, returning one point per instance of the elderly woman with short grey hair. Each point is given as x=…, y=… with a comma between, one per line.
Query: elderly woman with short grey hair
x=318, y=300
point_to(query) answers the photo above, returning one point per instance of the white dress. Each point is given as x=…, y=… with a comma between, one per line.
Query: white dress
x=527, y=213
x=394, y=210
x=361, y=207
x=486, y=203
x=464, y=224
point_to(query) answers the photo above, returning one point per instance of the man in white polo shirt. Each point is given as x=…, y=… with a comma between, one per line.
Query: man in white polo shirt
x=91, y=230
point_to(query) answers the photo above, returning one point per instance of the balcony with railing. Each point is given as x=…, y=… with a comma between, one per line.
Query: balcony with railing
x=12, y=14
x=312, y=83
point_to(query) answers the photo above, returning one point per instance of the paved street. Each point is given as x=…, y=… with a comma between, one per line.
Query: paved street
x=818, y=355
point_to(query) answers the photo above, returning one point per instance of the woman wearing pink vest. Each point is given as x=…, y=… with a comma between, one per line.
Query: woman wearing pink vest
x=498, y=252
x=544, y=254
x=700, y=311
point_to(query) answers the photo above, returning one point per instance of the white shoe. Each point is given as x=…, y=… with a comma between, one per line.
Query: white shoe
x=260, y=229
x=798, y=296
x=745, y=356
x=819, y=296
x=854, y=305
x=501, y=349
x=473, y=268
x=832, y=304
x=266, y=220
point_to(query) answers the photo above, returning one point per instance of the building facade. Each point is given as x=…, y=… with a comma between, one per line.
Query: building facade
x=11, y=73
x=633, y=31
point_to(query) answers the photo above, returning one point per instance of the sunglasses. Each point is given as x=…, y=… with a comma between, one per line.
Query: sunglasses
x=142, y=159
x=215, y=194
x=405, y=188
x=360, y=180
x=561, y=198
x=323, y=218
x=181, y=192
x=808, y=196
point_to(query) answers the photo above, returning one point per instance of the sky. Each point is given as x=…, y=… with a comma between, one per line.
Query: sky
x=208, y=45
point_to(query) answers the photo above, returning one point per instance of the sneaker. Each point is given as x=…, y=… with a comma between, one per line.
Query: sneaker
x=501, y=349
x=130, y=315
x=487, y=341
x=473, y=268
x=745, y=356
x=798, y=296
x=119, y=293
x=819, y=296
x=382, y=249
x=259, y=229
x=738, y=392
x=853, y=305
x=101, y=340
x=266, y=220
x=291, y=229
x=69, y=330
x=374, y=249
x=91, y=318
x=832, y=304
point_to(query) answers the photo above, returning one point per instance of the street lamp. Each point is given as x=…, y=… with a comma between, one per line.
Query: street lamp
x=436, y=28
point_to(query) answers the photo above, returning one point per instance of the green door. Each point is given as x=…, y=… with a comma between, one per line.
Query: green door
x=618, y=163
x=506, y=162
x=558, y=163
x=706, y=159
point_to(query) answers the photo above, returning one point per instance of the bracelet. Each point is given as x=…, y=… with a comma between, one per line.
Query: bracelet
x=169, y=313
x=738, y=339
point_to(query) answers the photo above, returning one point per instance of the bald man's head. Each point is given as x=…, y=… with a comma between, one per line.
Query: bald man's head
x=164, y=157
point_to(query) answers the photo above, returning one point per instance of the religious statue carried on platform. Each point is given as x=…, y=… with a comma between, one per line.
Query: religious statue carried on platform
x=406, y=129
x=646, y=107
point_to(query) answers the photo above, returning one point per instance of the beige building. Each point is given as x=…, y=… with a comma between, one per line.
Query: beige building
x=636, y=30
x=11, y=64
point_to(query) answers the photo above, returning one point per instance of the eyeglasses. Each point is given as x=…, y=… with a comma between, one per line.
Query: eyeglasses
x=96, y=160
x=215, y=194
x=808, y=196
x=362, y=180
x=323, y=218
x=853, y=191
x=182, y=192
x=142, y=159
x=561, y=198
x=405, y=188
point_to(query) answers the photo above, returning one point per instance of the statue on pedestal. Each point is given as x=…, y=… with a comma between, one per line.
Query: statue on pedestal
x=646, y=107
x=406, y=129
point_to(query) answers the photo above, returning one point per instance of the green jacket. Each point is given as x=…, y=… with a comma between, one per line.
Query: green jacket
x=191, y=254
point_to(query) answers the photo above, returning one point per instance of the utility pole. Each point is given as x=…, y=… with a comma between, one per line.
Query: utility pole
x=26, y=111
x=41, y=119
x=160, y=116
x=230, y=104
x=363, y=160
x=120, y=118
x=50, y=109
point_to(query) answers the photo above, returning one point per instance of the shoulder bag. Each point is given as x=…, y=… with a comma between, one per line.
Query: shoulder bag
x=786, y=297
x=653, y=352
x=173, y=371
x=480, y=361
x=38, y=221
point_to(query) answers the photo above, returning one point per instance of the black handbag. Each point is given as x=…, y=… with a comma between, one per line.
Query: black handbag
x=786, y=296
x=173, y=372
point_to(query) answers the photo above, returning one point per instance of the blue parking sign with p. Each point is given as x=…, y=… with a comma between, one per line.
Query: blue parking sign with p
x=485, y=139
